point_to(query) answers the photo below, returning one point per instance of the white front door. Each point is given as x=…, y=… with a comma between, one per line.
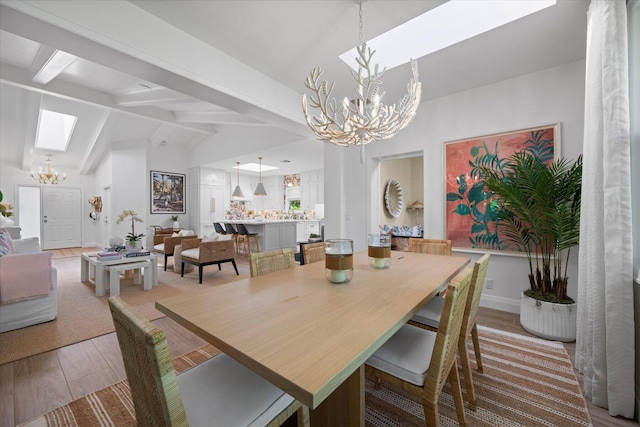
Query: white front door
x=61, y=218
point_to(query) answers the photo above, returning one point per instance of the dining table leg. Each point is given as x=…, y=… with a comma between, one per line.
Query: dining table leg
x=343, y=407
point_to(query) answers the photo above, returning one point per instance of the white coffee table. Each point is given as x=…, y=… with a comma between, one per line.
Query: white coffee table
x=89, y=263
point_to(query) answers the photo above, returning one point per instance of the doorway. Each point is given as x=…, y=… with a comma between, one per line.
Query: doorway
x=61, y=218
x=29, y=212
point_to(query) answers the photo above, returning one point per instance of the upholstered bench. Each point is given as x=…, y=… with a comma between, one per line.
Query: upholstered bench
x=113, y=271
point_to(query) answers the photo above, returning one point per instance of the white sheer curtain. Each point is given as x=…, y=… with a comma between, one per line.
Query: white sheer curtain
x=605, y=336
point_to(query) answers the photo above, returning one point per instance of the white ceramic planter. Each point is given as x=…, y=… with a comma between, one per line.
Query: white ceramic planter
x=548, y=320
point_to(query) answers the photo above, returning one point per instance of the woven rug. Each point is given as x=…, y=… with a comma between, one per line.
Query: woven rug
x=526, y=382
x=82, y=315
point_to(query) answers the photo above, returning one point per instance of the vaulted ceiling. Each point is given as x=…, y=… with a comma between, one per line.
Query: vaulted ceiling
x=223, y=79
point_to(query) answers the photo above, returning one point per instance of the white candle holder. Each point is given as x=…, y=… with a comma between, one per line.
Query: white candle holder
x=379, y=250
x=339, y=260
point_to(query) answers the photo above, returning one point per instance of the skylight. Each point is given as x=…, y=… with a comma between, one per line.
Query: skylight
x=255, y=167
x=54, y=130
x=444, y=26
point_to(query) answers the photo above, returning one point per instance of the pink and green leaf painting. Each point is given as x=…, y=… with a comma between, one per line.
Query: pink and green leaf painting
x=470, y=218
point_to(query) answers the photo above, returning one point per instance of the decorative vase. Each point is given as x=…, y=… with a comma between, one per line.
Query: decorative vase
x=176, y=225
x=135, y=246
x=548, y=320
x=6, y=222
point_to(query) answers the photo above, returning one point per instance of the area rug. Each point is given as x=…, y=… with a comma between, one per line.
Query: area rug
x=526, y=382
x=82, y=315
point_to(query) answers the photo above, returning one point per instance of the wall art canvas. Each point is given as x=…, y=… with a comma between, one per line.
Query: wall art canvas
x=167, y=192
x=470, y=220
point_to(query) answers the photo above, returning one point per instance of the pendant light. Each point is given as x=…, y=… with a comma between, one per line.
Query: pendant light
x=260, y=190
x=237, y=193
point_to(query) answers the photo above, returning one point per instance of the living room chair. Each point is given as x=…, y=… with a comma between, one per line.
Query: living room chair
x=313, y=252
x=202, y=252
x=267, y=262
x=419, y=361
x=429, y=318
x=165, y=244
x=217, y=392
x=430, y=246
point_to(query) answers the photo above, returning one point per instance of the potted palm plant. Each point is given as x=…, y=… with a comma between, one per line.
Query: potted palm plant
x=538, y=208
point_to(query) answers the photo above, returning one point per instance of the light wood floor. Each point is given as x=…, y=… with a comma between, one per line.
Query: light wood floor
x=33, y=386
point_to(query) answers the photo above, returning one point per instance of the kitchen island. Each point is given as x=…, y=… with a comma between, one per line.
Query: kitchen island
x=272, y=234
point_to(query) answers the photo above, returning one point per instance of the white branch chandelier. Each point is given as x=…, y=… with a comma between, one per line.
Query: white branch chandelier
x=48, y=176
x=365, y=119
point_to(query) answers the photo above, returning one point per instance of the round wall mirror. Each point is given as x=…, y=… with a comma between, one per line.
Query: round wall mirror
x=393, y=198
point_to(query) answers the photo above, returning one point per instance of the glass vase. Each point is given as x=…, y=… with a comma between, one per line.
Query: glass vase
x=339, y=260
x=379, y=250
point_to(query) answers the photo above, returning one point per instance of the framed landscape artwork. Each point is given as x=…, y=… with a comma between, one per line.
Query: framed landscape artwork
x=167, y=192
x=470, y=221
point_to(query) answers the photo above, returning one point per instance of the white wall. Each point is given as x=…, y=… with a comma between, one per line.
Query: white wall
x=167, y=159
x=11, y=176
x=554, y=95
x=409, y=174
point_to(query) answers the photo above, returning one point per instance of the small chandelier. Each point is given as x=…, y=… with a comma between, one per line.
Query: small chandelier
x=49, y=176
x=237, y=193
x=365, y=119
x=260, y=190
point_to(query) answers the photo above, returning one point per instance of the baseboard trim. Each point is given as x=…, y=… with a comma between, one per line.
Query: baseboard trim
x=499, y=303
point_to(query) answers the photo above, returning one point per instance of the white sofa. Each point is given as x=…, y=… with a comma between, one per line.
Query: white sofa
x=30, y=311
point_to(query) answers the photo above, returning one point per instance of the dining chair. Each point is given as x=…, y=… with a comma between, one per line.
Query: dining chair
x=429, y=317
x=419, y=361
x=430, y=246
x=217, y=392
x=219, y=228
x=267, y=262
x=313, y=252
x=248, y=237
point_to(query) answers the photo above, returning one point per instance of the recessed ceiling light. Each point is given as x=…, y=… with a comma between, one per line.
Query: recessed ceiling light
x=444, y=26
x=255, y=167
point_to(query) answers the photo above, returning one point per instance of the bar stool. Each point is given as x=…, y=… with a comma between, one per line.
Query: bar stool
x=247, y=236
x=219, y=228
x=230, y=229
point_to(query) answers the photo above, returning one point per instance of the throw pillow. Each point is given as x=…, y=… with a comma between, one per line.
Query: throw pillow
x=175, y=235
x=28, y=245
x=186, y=233
x=6, y=241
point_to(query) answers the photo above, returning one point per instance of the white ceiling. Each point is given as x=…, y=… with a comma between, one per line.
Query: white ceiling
x=123, y=95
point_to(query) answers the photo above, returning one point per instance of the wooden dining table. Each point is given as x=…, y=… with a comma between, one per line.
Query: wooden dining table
x=311, y=337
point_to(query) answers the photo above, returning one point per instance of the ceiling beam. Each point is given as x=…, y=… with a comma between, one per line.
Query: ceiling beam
x=49, y=63
x=32, y=113
x=17, y=77
x=152, y=96
x=218, y=117
x=98, y=143
x=96, y=32
x=159, y=135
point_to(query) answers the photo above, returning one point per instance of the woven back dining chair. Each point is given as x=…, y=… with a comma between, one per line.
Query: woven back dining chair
x=420, y=361
x=313, y=252
x=199, y=396
x=430, y=246
x=429, y=317
x=267, y=262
